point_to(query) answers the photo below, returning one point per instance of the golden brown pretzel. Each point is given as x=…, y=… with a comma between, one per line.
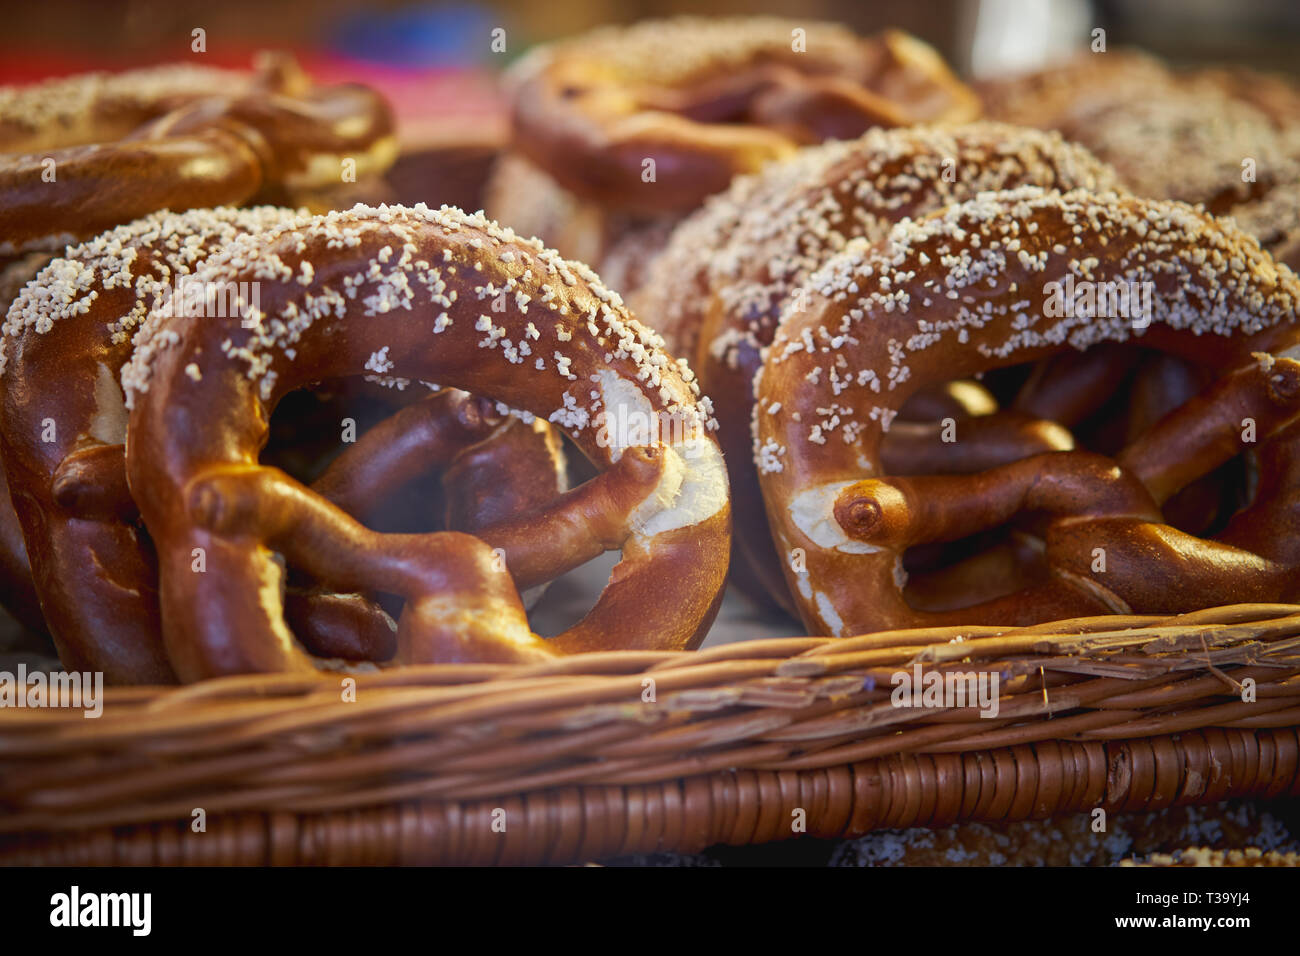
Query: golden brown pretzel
x=411, y=291
x=711, y=99
x=720, y=286
x=969, y=289
x=260, y=141
x=62, y=447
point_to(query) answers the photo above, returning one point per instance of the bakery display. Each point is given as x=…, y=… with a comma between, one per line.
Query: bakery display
x=380, y=516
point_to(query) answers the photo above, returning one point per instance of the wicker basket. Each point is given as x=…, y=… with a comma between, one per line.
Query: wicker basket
x=610, y=754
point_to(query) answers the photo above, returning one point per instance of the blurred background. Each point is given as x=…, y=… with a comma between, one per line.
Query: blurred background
x=435, y=59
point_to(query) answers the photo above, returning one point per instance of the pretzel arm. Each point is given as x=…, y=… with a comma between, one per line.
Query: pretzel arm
x=1069, y=387
x=961, y=398
x=897, y=513
x=581, y=524
x=414, y=439
x=347, y=626
x=91, y=484
x=1209, y=429
x=313, y=534
x=90, y=196
x=323, y=540
x=1153, y=565
x=840, y=107
x=978, y=443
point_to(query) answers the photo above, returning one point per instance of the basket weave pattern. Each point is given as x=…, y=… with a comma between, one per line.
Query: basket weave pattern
x=605, y=754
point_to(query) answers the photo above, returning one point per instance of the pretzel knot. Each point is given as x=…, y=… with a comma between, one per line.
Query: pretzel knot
x=710, y=99
x=63, y=451
x=433, y=296
x=973, y=288
x=258, y=138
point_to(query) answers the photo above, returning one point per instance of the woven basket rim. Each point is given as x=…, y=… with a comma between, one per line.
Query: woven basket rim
x=323, y=742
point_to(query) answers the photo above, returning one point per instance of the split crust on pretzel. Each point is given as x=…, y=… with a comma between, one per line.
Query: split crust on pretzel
x=965, y=290
x=411, y=291
x=74, y=326
x=257, y=140
x=718, y=290
x=709, y=99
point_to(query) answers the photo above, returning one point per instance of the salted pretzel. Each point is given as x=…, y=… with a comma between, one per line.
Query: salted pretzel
x=62, y=447
x=720, y=286
x=256, y=140
x=411, y=290
x=966, y=290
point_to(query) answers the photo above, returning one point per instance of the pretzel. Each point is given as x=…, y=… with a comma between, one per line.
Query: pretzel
x=719, y=288
x=411, y=291
x=965, y=290
x=95, y=579
x=259, y=143
x=709, y=99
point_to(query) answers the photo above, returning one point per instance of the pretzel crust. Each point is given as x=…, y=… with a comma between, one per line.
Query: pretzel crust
x=965, y=290
x=411, y=290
